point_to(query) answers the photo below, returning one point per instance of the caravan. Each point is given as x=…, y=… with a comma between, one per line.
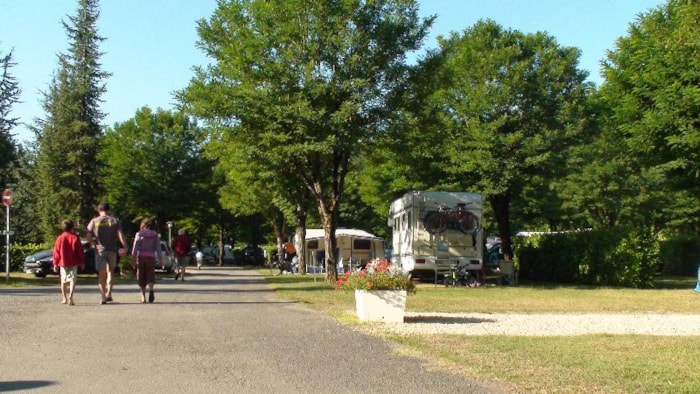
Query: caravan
x=355, y=248
x=433, y=230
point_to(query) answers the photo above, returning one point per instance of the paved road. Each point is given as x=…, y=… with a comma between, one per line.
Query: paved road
x=220, y=331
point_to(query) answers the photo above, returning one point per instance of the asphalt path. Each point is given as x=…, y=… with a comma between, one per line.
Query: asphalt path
x=220, y=331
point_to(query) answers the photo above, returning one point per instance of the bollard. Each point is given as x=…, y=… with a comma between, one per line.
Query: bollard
x=697, y=287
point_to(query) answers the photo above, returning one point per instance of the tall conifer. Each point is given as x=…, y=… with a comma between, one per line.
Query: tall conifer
x=69, y=136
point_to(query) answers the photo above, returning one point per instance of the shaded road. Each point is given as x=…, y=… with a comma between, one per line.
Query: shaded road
x=220, y=331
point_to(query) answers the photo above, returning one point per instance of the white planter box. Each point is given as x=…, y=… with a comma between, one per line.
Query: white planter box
x=380, y=305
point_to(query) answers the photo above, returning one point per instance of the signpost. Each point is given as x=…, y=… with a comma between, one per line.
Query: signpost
x=7, y=200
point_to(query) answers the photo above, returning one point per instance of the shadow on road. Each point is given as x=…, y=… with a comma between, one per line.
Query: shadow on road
x=20, y=385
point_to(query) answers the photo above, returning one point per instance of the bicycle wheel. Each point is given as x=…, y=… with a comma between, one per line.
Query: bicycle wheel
x=435, y=222
x=468, y=223
x=471, y=281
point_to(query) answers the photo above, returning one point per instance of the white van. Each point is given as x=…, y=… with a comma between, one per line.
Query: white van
x=432, y=230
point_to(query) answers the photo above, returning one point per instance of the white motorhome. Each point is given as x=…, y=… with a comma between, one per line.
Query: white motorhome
x=355, y=247
x=432, y=230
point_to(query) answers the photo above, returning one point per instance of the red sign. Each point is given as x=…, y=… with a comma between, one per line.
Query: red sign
x=7, y=197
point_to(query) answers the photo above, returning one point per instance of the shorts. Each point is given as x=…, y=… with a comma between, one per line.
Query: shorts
x=69, y=275
x=105, y=257
x=146, y=271
x=183, y=261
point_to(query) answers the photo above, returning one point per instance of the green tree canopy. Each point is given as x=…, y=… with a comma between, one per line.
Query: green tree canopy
x=9, y=95
x=652, y=87
x=154, y=167
x=69, y=136
x=510, y=104
x=305, y=83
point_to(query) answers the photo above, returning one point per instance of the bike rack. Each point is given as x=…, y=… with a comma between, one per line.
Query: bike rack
x=442, y=248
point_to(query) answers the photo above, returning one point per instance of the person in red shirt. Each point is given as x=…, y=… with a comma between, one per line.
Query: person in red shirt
x=181, y=245
x=68, y=255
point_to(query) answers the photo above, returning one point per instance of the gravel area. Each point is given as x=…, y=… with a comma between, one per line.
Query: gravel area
x=546, y=324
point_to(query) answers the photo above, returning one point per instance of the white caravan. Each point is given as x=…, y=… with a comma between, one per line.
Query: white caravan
x=433, y=230
x=355, y=247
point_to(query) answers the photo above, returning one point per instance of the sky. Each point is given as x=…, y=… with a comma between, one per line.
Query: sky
x=150, y=45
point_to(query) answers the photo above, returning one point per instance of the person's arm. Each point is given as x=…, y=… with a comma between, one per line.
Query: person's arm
x=56, y=254
x=122, y=239
x=133, y=248
x=89, y=236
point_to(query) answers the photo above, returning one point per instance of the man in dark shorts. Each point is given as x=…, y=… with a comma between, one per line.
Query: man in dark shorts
x=103, y=232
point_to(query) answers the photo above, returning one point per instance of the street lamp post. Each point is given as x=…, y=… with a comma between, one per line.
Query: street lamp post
x=170, y=232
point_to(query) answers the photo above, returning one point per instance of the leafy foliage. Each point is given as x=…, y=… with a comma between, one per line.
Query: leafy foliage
x=620, y=256
x=154, y=167
x=377, y=275
x=9, y=95
x=70, y=134
x=653, y=89
x=303, y=85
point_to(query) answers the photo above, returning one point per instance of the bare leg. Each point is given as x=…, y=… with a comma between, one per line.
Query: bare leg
x=70, y=292
x=63, y=293
x=110, y=283
x=151, y=296
x=102, y=282
x=143, y=295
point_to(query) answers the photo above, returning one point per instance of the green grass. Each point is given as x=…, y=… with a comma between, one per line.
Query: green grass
x=582, y=363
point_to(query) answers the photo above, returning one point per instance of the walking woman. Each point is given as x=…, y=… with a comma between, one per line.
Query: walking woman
x=145, y=253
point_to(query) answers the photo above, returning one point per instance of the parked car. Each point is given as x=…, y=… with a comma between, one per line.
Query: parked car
x=167, y=258
x=41, y=263
x=253, y=255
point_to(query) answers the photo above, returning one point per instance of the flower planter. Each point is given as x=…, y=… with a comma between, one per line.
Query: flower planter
x=380, y=305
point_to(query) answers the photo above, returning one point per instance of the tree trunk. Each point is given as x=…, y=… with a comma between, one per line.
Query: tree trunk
x=301, y=238
x=500, y=204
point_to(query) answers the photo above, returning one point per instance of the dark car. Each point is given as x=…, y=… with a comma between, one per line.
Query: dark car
x=253, y=255
x=41, y=263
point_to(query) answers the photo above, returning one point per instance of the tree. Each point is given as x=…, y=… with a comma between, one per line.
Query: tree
x=154, y=166
x=70, y=134
x=510, y=104
x=306, y=84
x=652, y=88
x=9, y=95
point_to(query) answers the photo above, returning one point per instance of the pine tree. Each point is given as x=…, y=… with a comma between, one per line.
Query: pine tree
x=70, y=134
x=9, y=95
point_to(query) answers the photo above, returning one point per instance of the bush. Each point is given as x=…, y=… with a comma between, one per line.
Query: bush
x=617, y=257
x=18, y=252
x=680, y=255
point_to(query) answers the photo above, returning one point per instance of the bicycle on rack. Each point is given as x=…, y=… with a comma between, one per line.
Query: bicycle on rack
x=459, y=218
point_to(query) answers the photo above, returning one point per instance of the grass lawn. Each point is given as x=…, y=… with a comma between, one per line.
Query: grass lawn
x=574, y=364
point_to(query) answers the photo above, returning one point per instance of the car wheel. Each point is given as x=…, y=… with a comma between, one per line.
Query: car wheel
x=40, y=274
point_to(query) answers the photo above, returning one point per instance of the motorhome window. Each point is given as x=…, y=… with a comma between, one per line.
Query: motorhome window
x=313, y=244
x=361, y=244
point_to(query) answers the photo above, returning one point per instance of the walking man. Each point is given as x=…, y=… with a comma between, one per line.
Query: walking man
x=68, y=255
x=103, y=232
x=181, y=245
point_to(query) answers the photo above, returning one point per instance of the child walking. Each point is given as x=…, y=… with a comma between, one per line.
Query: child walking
x=68, y=255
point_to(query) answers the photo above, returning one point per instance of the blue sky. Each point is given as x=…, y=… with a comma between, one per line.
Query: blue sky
x=150, y=47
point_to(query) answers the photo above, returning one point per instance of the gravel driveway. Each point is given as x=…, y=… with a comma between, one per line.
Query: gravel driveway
x=220, y=331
